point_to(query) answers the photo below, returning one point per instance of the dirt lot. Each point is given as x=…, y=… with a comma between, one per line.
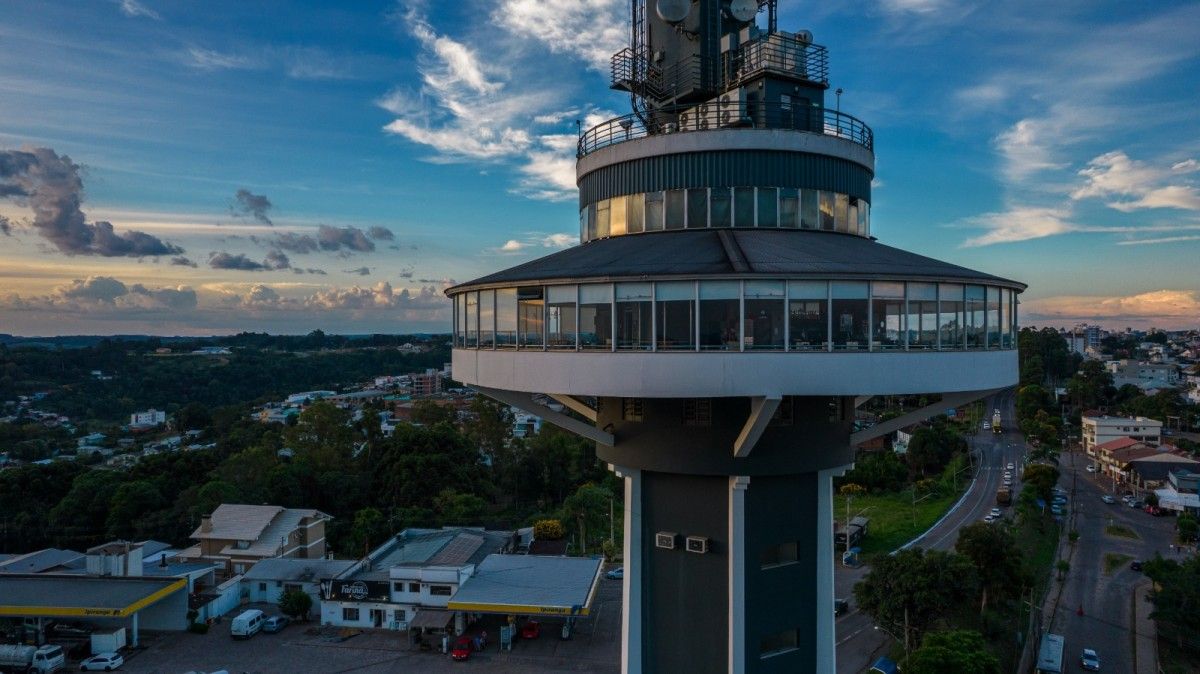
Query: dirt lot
x=595, y=647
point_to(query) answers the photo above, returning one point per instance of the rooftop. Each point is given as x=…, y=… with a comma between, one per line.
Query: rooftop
x=303, y=570
x=68, y=595
x=41, y=561
x=434, y=547
x=530, y=584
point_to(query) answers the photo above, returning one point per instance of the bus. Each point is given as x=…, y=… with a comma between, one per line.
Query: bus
x=996, y=422
x=1050, y=655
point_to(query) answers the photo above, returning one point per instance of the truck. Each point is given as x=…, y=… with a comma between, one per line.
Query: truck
x=108, y=642
x=19, y=658
x=1003, y=496
x=996, y=422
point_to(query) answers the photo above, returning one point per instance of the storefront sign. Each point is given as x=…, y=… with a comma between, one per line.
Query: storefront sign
x=361, y=590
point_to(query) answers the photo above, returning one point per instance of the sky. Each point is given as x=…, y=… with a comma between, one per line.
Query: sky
x=181, y=168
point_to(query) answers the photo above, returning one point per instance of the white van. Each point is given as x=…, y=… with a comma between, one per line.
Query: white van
x=247, y=624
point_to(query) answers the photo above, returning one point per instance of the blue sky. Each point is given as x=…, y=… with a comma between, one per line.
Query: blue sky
x=335, y=165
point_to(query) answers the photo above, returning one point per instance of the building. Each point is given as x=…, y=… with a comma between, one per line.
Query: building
x=270, y=578
x=1082, y=338
x=726, y=305
x=147, y=419
x=308, y=397
x=525, y=425
x=1143, y=375
x=1115, y=458
x=1180, y=492
x=428, y=383
x=1153, y=472
x=1100, y=429
x=236, y=537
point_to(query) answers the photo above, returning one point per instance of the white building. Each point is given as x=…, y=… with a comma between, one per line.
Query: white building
x=150, y=417
x=1143, y=375
x=308, y=397
x=270, y=578
x=1102, y=429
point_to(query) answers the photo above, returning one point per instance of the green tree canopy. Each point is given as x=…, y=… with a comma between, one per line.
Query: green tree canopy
x=915, y=587
x=993, y=551
x=295, y=604
x=953, y=652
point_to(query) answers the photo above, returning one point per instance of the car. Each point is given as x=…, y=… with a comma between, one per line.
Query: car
x=840, y=606
x=1011, y=466
x=1089, y=660
x=616, y=574
x=1090, y=468
x=995, y=512
x=1137, y=504
x=275, y=623
x=531, y=630
x=988, y=519
x=1061, y=500
x=986, y=426
x=461, y=649
x=1135, y=565
x=1056, y=509
x=1108, y=499
x=1008, y=482
x=102, y=662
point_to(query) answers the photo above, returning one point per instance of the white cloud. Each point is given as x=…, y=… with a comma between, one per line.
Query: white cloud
x=1161, y=239
x=1163, y=308
x=603, y=26
x=1019, y=223
x=1137, y=184
x=512, y=246
x=106, y=295
x=560, y=240
x=208, y=59
x=914, y=6
x=133, y=8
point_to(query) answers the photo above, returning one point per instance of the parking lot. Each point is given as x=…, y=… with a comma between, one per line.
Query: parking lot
x=595, y=646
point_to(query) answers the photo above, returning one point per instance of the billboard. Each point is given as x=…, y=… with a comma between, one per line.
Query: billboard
x=360, y=590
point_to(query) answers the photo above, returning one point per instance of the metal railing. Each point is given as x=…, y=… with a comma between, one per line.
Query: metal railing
x=726, y=115
x=778, y=53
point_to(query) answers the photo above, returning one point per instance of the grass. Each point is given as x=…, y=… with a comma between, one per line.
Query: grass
x=1120, y=530
x=1114, y=561
x=894, y=519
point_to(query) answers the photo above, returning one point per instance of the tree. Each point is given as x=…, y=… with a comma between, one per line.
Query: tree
x=1188, y=528
x=296, y=604
x=1062, y=566
x=428, y=412
x=1042, y=477
x=369, y=529
x=459, y=509
x=589, y=506
x=193, y=416
x=1091, y=386
x=997, y=560
x=953, y=652
x=548, y=530
x=1176, y=598
x=908, y=592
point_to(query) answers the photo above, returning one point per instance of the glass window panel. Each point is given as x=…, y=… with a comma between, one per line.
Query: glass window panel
x=676, y=306
x=764, y=315
x=1005, y=318
x=602, y=219
x=888, y=313
x=560, y=317
x=950, y=316
x=768, y=207
x=595, y=316
x=632, y=292
x=827, y=207
x=841, y=216
x=697, y=207
x=472, y=319
x=583, y=224
x=975, y=317
x=654, y=211
x=922, y=315
x=506, y=318
x=635, y=218
x=864, y=212
x=487, y=319
x=675, y=209
x=634, y=311
x=530, y=316
x=616, y=217
x=852, y=218
x=1016, y=321
x=591, y=222
x=789, y=207
x=743, y=207
x=810, y=210
x=848, y=311
x=993, y=317
x=719, y=309
x=460, y=319
x=720, y=209
x=808, y=315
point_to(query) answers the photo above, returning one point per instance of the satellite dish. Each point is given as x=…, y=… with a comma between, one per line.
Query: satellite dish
x=743, y=10
x=673, y=11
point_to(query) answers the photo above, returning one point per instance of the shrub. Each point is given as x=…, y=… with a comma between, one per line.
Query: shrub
x=549, y=530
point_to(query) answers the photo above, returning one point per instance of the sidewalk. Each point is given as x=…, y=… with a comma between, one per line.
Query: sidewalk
x=1145, y=640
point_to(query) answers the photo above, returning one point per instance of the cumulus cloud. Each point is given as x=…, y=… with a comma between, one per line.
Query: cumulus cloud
x=604, y=22
x=99, y=294
x=50, y=185
x=296, y=243
x=180, y=261
x=1163, y=308
x=247, y=204
x=381, y=234
x=6, y=226
x=1133, y=185
x=512, y=246
x=349, y=238
x=361, y=271
x=133, y=8
x=560, y=240
x=275, y=260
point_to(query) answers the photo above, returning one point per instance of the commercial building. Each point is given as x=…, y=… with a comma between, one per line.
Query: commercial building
x=726, y=307
x=1143, y=375
x=1101, y=429
x=270, y=578
x=236, y=537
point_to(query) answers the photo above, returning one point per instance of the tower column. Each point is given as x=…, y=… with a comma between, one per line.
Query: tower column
x=631, y=609
x=737, y=574
x=826, y=646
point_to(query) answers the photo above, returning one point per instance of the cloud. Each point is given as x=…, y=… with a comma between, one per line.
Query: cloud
x=1019, y=223
x=6, y=226
x=1163, y=308
x=50, y=185
x=256, y=206
x=181, y=261
x=512, y=246
x=605, y=23
x=560, y=240
x=274, y=261
x=94, y=288
x=208, y=59
x=1137, y=185
x=361, y=271
x=1161, y=239
x=99, y=294
x=381, y=234
x=277, y=260
x=296, y=243
x=350, y=238
x=133, y=8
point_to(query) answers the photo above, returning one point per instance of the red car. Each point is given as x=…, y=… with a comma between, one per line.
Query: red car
x=531, y=630
x=462, y=648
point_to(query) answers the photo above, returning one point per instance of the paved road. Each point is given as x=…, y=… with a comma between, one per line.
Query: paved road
x=1106, y=599
x=858, y=643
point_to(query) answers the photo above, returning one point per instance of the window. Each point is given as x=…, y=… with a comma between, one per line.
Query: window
x=487, y=319
x=808, y=315
x=776, y=644
x=768, y=207
x=654, y=211
x=617, y=217
x=764, y=313
x=634, y=316
x=697, y=208
x=827, y=207
x=993, y=317
x=591, y=222
x=888, y=310
x=415, y=588
x=848, y=309
x=841, y=212
x=530, y=308
x=399, y=615
x=950, y=312
x=810, y=210
x=506, y=318
x=922, y=315
x=602, y=218
x=719, y=310
x=561, y=316
x=778, y=555
x=697, y=412
x=632, y=409
x=239, y=568
x=743, y=207
x=243, y=545
x=262, y=587
x=975, y=317
x=397, y=587
x=676, y=307
x=441, y=590
x=350, y=614
x=635, y=218
x=852, y=217
x=1012, y=319
x=789, y=207
x=472, y=320
x=676, y=212
x=720, y=210
x=460, y=316
x=595, y=316
x=584, y=234
x=864, y=218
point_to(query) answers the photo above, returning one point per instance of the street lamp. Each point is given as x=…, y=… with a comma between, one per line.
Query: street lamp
x=839, y=99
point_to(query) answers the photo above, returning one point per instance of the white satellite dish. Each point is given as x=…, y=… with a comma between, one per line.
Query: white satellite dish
x=743, y=10
x=673, y=11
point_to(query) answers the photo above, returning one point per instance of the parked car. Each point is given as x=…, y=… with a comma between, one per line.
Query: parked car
x=1090, y=468
x=1011, y=466
x=616, y=574
x=1089, y=660
x=246, y=624
x=275, y=623
x=532, y=629
x=104, y=662
x=988, y=519
x=1137, y=504
x=840, y=606
x=1108, y=499
x=461, y=649
x=986, y=426
x=995, y=512
x=1135, y=565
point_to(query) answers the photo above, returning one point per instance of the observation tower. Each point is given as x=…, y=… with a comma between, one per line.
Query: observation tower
x=726, y=309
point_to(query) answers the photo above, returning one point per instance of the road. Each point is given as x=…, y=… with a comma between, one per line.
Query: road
x=1106, y=599
x=858, y=642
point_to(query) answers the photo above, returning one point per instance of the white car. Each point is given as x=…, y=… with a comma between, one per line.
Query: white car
x=1108, y=499
x=995, y=512
x=1011, y=466
x=988, y=519
x=104, y=662
x=1090, y=468
x=986, y=425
